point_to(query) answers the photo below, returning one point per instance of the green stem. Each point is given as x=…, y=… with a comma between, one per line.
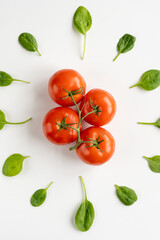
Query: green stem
x=116, y=56
x=117, y=187
x=78, y=143
x=84, y=188
x=49, y=185
x=79, y=114
x=26, y=157
x=75, y=129
x=75, y=146
x=20, y=81
x=75, y=103
x=146, y=123
x=38, y=52
x=78, y=133
x=18, y=122
x=84, y=48
x=88, y=114
x=135, y=85
x=79, y=124
x=146, y=158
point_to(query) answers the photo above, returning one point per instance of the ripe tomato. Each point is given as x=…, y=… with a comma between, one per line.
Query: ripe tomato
x=99, y=154
x=66, y=79
x=103, y=102
x=54, y=129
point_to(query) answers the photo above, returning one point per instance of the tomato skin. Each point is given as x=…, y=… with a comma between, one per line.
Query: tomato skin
x=68, y=79
x=106, y=104
x=92, y=155
x=50, y=128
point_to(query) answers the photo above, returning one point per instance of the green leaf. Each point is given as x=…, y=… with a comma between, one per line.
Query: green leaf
x=154, y=163
x=3, y=121
x=39, y=197
x=85, y=214
x=157, y=123
x=13, y=165
x=6, y=79
x=125, y=44
x=29, y=42
x=150, y=80
x=126, y=195
x=82, y=21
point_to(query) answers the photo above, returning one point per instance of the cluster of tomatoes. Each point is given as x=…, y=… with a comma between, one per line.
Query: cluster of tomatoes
x=63, y=125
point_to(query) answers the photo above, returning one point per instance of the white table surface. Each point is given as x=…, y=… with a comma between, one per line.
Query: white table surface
x=50, y=21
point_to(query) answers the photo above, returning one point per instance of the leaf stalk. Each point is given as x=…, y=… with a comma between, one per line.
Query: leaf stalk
x=12, y=123
x=84, y=187
x=84, y=47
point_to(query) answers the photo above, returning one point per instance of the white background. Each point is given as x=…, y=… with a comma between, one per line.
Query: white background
x=50, y=21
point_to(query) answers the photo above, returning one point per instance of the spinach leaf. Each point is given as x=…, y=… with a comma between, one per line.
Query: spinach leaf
x=85, y=214
x=13, y=165
x=125, y=44
x=126, y=195
x=150, y=80
x=39, y=196
x=157, y=123
x=29, y=42
x=6, y=79
x=154, y=163
x=3, y=120
x=82, y=21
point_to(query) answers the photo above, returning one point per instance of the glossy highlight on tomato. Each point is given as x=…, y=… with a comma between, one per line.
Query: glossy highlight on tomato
x=69, y=80
x=91, y=154
x=53, y=128
x=103, y=102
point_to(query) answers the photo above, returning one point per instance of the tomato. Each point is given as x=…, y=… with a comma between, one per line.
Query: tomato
x=69, y=80
x=53, y=126
x=99, y=154
x=103, y=102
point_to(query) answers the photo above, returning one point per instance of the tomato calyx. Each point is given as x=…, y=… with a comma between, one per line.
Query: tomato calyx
x=92, y=142
x=95, y=107
x=72, y=93
x=65, y=126
x=96, y=143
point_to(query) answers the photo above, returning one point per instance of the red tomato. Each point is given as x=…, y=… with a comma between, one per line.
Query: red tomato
x=66, y=79
x=54, y=132
x=103, y=102
x=91, y=154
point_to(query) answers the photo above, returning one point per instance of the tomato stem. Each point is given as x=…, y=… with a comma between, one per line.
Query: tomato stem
x=94, y=111
x=93, y=143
